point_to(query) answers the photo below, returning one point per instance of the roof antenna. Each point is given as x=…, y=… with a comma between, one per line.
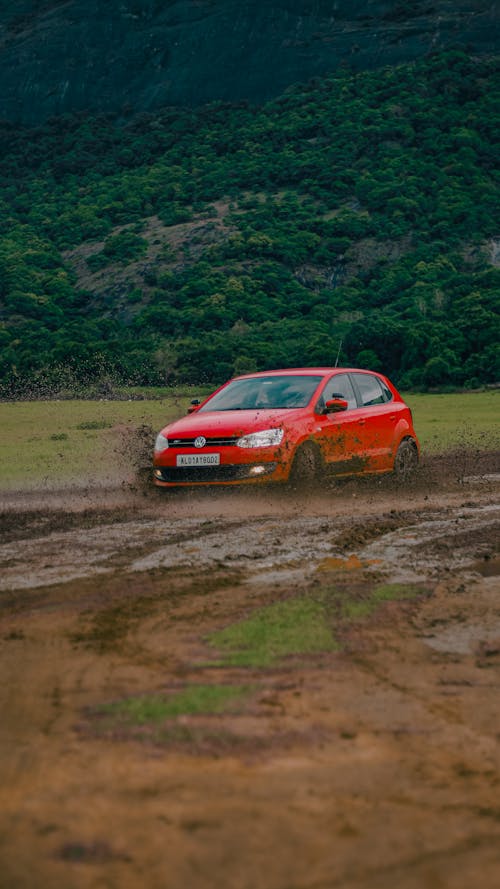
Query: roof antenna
x=338, y=353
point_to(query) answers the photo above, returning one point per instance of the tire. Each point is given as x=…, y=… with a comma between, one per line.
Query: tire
x=406, y=460
x=306, y=466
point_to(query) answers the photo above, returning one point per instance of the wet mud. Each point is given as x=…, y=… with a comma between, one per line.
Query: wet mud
x=370, y=762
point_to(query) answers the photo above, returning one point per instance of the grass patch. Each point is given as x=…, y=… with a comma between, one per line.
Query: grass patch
x=58, y=442
x=460, y=420
x=295, y=626
x=94, y=424
x=387, y=592
x=300, y=626
x=193, y=700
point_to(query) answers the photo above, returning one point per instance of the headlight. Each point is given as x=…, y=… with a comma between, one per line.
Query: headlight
x=261, y=439
x=161, y=443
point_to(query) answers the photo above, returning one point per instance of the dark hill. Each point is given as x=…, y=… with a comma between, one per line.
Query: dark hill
x=59, y=56
x=188, y=244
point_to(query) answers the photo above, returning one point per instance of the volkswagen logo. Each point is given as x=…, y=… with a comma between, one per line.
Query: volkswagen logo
x=200, y=442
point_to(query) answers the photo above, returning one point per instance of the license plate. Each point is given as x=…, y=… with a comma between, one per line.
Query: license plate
x=198, y=460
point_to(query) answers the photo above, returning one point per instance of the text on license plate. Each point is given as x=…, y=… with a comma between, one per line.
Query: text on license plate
x=198, y=460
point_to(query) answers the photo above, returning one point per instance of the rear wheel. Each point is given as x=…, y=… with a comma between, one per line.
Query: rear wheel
x=406, y=460
x=306, y=466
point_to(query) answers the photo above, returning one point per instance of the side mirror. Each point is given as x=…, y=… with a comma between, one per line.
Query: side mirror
x=194, y=405
x=335, y=405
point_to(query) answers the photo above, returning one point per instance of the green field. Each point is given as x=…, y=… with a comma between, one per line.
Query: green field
x=462, y=420
x=47, y=443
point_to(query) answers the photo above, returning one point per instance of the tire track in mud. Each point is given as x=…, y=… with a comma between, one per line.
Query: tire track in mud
x=254, y=546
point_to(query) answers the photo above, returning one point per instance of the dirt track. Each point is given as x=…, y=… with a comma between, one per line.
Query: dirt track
x=371, y=766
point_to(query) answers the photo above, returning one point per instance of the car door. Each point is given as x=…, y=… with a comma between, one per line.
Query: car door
x=338, y=433
x=377, y=419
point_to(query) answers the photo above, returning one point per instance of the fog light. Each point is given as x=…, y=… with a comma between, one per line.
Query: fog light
x=258, y=470
x=158, y=473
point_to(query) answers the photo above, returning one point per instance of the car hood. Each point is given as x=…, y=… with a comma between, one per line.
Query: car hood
x=229, y=423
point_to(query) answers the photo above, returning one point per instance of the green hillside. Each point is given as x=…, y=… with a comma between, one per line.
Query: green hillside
x=186, y=245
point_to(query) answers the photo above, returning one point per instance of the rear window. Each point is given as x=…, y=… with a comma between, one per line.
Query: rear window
x=370, y=389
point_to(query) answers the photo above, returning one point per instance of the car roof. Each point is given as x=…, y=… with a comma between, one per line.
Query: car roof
x=305, y=371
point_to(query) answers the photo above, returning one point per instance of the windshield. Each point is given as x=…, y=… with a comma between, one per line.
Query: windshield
x=261, y=393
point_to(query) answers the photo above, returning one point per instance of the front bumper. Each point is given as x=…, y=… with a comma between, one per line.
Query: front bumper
x=211, y=475
x=237, y=466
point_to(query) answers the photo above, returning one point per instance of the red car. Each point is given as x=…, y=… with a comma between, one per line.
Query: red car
x=293, y=425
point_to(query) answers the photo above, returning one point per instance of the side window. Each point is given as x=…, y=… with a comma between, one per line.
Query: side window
x=370, y=389
x=339, y=386
x=388, y=396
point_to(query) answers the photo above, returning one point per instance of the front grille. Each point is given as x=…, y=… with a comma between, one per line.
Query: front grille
x=230, y=473
x=211, y=442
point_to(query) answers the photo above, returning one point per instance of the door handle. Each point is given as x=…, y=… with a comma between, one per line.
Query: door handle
x=392, y=417
x=361, y=422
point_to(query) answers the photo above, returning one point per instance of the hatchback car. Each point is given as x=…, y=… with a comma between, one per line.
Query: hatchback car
x=289, y=425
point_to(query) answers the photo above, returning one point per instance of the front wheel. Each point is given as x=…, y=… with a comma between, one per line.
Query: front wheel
x=406, y=460
x=306, y=466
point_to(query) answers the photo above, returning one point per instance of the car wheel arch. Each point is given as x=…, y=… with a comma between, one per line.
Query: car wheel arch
x=307, y=461
x=406, y=458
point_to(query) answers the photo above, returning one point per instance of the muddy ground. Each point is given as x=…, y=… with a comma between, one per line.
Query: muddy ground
x=372, y=765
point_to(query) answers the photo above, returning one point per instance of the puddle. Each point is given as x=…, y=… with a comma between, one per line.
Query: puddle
x=416, y=552
x=251, y=546
x=282, y=547
x=464, y=638
x=255, y=546
x=481, y=479
x=68, y=555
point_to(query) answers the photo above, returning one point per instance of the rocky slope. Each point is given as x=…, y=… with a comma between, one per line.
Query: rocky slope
x=126, y=55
